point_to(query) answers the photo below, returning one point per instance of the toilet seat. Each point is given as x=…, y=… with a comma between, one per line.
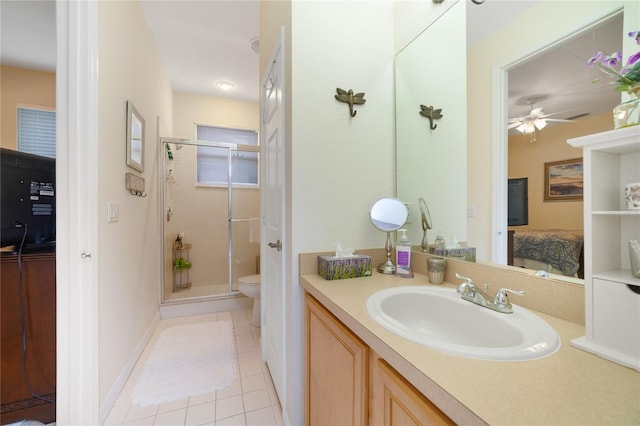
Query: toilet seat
x=250, y=280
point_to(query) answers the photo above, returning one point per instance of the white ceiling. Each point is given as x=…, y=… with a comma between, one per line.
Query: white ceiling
x=201, y=42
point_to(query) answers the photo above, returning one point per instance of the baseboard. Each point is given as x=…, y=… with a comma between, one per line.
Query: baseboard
x=200, y=307
x=121, y=380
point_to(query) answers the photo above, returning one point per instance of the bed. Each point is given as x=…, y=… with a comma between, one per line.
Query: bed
x=553, y=250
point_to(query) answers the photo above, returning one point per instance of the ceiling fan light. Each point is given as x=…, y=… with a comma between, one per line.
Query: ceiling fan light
x=526, y=127
x=540, y=124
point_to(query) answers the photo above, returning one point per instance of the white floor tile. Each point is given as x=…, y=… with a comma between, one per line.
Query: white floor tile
x=229, y=407
x=201, y=414
x=234, y=389
x=256, y=400
x=249, y=400
x=171, y=418
x=232, y=421
x=262, y=417
x=253, y=383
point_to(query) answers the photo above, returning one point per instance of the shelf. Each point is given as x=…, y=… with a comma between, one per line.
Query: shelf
x=623, y=276
x=616, y=213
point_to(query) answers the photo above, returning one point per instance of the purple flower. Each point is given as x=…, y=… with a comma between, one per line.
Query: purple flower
x=633, y=59
x=612, y=60
x=636, y=35
x=595, y=59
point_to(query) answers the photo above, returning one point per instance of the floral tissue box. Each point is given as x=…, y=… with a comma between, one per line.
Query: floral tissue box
x=338, y=268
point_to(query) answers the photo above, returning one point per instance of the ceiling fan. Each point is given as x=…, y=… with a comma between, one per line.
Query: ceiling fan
x=535, y=120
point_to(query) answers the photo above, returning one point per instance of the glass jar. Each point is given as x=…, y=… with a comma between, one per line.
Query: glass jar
x=628, y=113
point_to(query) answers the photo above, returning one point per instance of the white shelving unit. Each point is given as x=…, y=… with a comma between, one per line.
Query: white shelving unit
x=612, y=293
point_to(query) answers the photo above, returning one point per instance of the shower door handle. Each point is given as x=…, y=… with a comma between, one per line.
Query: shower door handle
x=277, y=245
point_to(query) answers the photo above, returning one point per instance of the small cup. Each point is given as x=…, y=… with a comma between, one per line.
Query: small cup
x=436, y=267
x=634, y=257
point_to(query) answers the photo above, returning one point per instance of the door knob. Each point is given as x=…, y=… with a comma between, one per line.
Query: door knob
x=277, y=245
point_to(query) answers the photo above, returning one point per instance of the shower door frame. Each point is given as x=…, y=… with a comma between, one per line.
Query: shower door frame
x=231, y=147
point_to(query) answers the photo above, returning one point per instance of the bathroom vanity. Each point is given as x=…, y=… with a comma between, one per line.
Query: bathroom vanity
x=379, y=377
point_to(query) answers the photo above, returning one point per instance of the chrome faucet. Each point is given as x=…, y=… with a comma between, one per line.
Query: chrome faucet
x=499, y=303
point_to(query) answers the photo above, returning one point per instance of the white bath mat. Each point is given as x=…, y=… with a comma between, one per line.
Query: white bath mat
x=188, y=360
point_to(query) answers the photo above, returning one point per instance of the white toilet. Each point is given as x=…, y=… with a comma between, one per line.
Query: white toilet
x=250, y=286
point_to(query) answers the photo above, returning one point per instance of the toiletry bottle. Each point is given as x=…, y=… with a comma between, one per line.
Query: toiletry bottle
x=403, y=255
x=440, y=243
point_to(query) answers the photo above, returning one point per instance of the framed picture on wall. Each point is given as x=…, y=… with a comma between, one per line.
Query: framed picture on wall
x=135, y=138
x=564, y=180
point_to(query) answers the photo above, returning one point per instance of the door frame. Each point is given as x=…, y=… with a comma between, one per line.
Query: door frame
x=77, y=331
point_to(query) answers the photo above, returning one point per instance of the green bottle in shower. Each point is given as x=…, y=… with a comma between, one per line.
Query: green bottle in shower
x=169, y=153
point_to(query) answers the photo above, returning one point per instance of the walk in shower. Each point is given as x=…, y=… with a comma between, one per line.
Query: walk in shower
x=211, y=207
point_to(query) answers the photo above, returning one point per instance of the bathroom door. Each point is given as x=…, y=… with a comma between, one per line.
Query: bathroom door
x=273, y=274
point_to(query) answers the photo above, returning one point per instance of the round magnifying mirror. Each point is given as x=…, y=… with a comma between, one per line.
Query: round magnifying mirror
x=388, y=214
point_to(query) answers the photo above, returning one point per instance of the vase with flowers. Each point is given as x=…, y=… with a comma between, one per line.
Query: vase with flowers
x=626, y=78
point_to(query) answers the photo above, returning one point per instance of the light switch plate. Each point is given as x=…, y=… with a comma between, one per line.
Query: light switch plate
x=113, y=211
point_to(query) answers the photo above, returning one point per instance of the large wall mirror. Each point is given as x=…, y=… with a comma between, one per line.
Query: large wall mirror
x=474, y=209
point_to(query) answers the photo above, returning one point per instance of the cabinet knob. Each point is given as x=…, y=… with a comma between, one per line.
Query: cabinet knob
x=85, y=256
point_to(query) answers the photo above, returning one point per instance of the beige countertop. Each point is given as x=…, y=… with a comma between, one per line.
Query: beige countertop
x=571, y=387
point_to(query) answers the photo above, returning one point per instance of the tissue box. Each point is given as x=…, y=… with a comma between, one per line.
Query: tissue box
x=338, y=268
x=466, y=253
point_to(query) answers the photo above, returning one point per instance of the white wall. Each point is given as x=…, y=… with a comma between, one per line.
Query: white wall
x=339, y=165
x=128, y=250
x=538, y=27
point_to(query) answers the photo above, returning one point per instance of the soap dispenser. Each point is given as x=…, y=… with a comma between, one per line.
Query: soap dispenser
x=403, y=255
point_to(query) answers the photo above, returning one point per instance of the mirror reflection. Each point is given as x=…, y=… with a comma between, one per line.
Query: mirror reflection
x=509, y=51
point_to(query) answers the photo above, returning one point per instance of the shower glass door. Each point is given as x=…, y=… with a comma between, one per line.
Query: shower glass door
x=211, y=203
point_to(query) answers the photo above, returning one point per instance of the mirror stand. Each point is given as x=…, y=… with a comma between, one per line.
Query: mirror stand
x=387, y=267
x=388, y=214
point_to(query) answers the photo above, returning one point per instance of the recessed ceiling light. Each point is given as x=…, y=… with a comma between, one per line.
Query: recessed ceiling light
x=225, y=85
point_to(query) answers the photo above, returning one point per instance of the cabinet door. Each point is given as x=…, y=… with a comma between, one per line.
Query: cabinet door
x=336, y=370
x=394, y=401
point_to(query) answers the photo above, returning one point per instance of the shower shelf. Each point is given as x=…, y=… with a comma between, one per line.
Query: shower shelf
x=181, y=266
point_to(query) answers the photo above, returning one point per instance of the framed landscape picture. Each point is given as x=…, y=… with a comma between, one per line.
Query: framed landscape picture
x=563, y=180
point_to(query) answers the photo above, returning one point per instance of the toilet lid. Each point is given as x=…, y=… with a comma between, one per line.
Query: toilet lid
x=250, y=279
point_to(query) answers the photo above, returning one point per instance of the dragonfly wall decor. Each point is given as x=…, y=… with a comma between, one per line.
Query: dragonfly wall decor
x=350, y=98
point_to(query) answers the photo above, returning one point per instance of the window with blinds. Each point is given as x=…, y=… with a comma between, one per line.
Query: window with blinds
x=37, y=132
x=213, y=162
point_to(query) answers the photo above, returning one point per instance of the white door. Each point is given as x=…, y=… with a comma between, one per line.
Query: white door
x=273, y=272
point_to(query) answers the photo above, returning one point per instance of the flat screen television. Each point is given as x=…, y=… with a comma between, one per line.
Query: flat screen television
x=518, y=202
x=27, y=201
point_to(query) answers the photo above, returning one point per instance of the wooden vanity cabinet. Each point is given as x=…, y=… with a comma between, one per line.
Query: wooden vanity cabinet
x=394, y=401
x=349, y=384
x=336, y=370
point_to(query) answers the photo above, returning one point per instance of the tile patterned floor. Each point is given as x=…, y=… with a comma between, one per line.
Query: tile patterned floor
x=250, y=401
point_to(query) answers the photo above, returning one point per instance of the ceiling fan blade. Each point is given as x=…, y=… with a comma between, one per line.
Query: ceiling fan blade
x=514, y=125
x=540, y=124
x=559, y=120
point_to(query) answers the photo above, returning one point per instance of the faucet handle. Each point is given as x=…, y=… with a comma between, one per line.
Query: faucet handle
x=468, y=280
x=502, y=300
x=467, y=286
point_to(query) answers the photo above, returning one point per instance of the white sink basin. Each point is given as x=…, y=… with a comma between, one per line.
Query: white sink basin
x=440, y=319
